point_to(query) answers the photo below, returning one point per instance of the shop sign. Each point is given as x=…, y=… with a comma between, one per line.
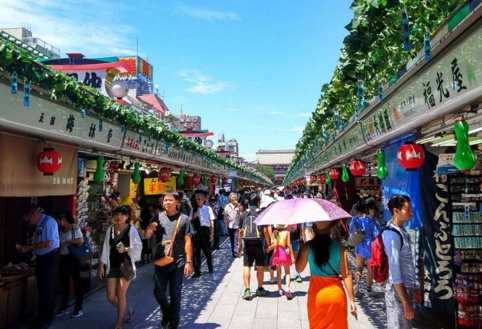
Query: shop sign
x=153, y=186
x=92, y=78
x=446, y=164
x=51, y=120
x=446, y=81
x=143, y=146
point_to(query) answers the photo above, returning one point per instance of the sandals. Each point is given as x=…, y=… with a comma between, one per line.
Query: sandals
x=288, y=294
x=130, y=316
x=280, y=292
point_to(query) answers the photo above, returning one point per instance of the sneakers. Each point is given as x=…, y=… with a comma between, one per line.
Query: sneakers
x=261, y=292
x=298, y=278
x=61, y=312
x=76, y=314
x=247, y=294
x=272, y=280
x=289, y=295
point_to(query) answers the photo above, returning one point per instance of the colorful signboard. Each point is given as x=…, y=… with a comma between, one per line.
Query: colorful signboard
x=140, y=68
x=153, y=186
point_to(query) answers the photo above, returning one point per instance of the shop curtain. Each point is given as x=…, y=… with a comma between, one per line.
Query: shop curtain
x=19, y=176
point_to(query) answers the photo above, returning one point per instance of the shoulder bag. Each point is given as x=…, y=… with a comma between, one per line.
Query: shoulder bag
x=168, y=248
x=126, y=267
x=81, y=251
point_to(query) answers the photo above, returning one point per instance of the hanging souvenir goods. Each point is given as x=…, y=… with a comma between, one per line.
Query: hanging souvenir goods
x=164, y=175
x=122, y=127
x=427, y=46
x=313, y=179
x=180, y=179
x=410, y=156
x=140, y=136
x=49, y=161
x=225, y=181
x=464, y=158
x=213, y=180
x=204, y=180
x=380, y=92
x=136, y=177
x=406, y=29
x=14, y=84
x=357, y=113
x=361, y=93
x=337, y=120
x=99, y=171
x=220, y=182
x=196, y=179
x=358, y=168
x=334, y=173
x=382, y=171
x=324, y=134
x=328, y=179
x=345, y=177
x=101, y=125
x=82, y=113
x=26, y=94
x=321, y=179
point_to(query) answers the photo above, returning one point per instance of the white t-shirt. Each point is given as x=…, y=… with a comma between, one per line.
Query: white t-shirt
x=68, y=236
x=206, y=215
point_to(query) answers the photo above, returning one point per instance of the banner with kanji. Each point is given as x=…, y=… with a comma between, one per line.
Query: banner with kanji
x=153, y=186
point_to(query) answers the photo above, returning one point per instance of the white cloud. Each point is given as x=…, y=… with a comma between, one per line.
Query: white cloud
x=72, y=26
x=208, y=14
x=298, y=129
x=203, y=84
x=304, y=115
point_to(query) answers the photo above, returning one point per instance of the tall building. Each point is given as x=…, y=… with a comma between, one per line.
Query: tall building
x=278, y=160
x=39, y=47
x=228, y=149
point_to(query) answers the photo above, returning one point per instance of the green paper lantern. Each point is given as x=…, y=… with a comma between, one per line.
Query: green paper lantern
x=219, y=181
x=99, y=171
x=328, y=179
x=464, y=158
x=382, y=171
x=345, y=177
x=136, y=177
x=204, y=180
x=180, y=179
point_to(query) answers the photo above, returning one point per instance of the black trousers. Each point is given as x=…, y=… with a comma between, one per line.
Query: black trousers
x=46, y=270
x=70, y=268
x=218, y=230
x=202, y=243
x=233, y=238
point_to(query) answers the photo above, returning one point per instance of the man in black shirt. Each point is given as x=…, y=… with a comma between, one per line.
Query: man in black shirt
x=171, y=274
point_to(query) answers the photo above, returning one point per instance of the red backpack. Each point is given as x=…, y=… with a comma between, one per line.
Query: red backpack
x=379, y=261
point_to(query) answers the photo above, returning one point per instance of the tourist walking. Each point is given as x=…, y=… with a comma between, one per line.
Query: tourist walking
x=70, y=234
x=170, y=225
x=282, y=255
x=46, y=249
x=401, y=289
x=121, y=250
x=326, y=256
x=367, y=227
x=204, y=235
x=231, y=221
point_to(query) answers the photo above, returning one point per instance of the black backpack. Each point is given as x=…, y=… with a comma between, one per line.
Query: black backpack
x=250, y=231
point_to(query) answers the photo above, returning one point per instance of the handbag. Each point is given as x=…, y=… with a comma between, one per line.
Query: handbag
x=168, y=248
x=127, y=270
x=357, y=237
x=80, y=251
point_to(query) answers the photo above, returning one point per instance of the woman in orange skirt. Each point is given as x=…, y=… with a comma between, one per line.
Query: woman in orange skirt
x=327, y=301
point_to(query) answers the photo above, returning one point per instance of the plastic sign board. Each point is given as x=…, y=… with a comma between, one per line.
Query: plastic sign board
x=153, y=186
x=446, y=164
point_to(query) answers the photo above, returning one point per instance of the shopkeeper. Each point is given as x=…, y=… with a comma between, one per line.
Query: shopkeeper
x=46, y=248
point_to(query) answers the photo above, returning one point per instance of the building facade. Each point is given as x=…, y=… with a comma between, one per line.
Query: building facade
x=278, y=160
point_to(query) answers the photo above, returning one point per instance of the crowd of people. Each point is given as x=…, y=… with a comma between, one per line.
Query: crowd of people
x=175, y=231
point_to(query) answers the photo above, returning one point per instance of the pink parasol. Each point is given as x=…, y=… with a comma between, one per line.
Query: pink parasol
x=297, y=211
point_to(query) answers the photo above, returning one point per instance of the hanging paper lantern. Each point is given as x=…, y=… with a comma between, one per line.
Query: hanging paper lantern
x=382, y=171
x=99, y=171
x=26, y=94
x=122, y=127
x=464, y=158
x=101, y=125
x=14, y=84
x=140, y=136
x=219, y=181
x=82, y=113
x=321, y=179
x=357, y=113
x=328, y=179
x=427, y=46
x=49, y=161
x=345, y=177
x=136, y=177
x=164, y=175
x=196, y=179
x=406, y=29
x=361, y=93
x=380, y=92
x=213, y=179
x=225, y=181
x=204, y=180
x=325, y=138
x=313, y=179
x=410, y=156
x=337, y=119
x=180, y=179
x=334, y=173
x=358, y=168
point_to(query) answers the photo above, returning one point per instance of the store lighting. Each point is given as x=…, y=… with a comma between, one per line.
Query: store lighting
x=429, y=139
x=476, y=130
x=449, y=139
x=476, y=141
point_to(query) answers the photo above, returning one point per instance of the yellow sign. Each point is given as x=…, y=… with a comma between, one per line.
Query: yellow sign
x=153, y=186
x=132, y=190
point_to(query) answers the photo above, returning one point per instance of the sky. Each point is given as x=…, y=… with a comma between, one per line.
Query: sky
x=251, y=69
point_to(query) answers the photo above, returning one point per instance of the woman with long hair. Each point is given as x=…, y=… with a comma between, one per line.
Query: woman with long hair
x=70, y=234
x=326, y=256
x=121, y=244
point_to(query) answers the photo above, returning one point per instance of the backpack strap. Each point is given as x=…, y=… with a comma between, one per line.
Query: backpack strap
x=388, y=228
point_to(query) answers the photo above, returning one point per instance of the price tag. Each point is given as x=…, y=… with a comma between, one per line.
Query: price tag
x=467, y=212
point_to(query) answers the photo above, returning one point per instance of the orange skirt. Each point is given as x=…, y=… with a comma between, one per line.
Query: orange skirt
x=327, y=304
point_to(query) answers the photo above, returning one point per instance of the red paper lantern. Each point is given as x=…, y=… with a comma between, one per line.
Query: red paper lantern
x=214, y=179
x=334, y=173
x=164, y=175
x=225, y=181
x=313, y=179
x=358, y=167
x=321, y=178
x=196, y=179
x=49, y=161
x=410, y=156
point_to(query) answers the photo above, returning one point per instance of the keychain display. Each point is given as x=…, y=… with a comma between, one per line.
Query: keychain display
x=459, y=217
x=464, y=230
x=470, y=315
